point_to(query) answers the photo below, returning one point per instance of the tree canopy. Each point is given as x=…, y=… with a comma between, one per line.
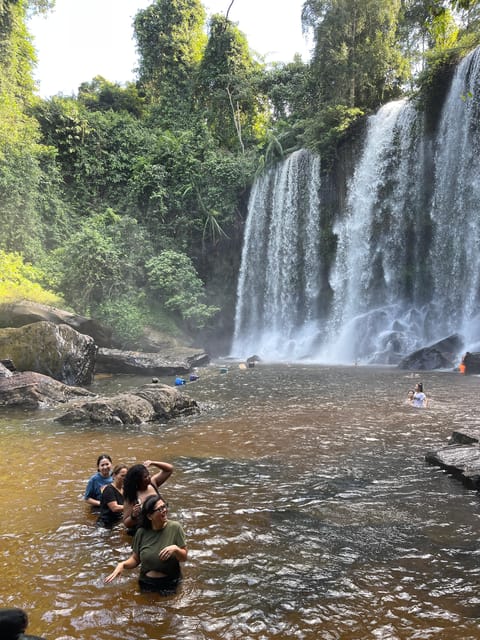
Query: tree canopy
x=128, y=201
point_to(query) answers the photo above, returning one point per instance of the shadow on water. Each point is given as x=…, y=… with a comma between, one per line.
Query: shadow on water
x=309, y=511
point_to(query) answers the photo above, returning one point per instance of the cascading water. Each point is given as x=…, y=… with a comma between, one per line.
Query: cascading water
x=407, y=264
x=455, y=259
x=281, y=262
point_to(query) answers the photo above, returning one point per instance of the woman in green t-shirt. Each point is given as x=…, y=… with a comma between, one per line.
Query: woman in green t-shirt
x=159, y=546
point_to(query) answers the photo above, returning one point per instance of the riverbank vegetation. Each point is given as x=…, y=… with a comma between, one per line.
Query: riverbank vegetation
x=127, y=202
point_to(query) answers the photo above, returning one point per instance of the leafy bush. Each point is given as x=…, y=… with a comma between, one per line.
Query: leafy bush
x=174, y=277
x=127, y=315
x=22, y=281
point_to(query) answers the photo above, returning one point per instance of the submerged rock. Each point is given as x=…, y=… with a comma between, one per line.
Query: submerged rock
x=148, y=403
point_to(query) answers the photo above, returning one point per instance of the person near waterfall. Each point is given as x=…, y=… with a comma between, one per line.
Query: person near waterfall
x=419, y=397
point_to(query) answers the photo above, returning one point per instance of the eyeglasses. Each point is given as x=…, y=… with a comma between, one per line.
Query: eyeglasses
x=162, y=509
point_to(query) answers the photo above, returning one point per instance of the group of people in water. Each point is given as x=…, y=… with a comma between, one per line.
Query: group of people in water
x=131, y=495
x=416, y=397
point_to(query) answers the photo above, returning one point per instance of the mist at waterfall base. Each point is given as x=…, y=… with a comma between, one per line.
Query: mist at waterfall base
x=406, y=244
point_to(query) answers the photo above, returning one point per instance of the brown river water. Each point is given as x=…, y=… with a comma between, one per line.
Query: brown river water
x=309, y=511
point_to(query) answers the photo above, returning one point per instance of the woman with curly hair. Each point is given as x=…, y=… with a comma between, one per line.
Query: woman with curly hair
x=138, y=486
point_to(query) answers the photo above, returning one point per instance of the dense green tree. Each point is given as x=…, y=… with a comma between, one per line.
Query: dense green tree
x=22, y=227
x=102, y=261
x=173, y=276
x=356, y=60
x=170, y=41
x=101, y=95
x=229, y=87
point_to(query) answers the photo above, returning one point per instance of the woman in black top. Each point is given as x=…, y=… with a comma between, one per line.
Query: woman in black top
x=111, y=502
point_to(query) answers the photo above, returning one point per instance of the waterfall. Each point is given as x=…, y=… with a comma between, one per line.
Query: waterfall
x=281, y=262
x=456, y=206
x=406, y=269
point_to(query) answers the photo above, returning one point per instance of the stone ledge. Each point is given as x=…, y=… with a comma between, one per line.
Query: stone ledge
x=460, y=458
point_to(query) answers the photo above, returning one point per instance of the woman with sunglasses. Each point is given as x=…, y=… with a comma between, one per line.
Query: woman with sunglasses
x=159, y=547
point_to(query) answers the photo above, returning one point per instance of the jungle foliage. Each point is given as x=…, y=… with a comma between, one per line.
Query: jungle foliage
x=127, y=202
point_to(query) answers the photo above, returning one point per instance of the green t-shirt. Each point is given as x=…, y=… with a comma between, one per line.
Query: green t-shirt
x=148, y=543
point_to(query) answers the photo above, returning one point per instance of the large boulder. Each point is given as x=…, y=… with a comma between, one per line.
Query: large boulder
x=54, y=350
x=150, y=364
x=32, y=390
x=441, y=355
x=471, y=362
x=148, y=403
x=19, y=314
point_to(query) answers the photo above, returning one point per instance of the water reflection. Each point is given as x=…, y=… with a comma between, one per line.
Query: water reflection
x=309, y=511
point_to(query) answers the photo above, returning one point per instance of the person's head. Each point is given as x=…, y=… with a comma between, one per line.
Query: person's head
x=154, y=513
x=137, y=479
x=104, y=464
x=119, y=473
x=13, y=622
x=410, y=393
x=419, y=387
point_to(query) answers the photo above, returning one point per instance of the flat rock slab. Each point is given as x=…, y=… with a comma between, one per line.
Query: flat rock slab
x=460, y=458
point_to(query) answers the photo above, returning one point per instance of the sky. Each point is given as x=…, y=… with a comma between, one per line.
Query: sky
x=81, y=39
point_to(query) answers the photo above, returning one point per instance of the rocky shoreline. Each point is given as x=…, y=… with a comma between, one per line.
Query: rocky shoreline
x=47, y=357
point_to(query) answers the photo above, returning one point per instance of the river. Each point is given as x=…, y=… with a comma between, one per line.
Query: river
x=309, y=510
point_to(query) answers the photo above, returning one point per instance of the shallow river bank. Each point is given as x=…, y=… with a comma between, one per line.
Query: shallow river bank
x=309, y=509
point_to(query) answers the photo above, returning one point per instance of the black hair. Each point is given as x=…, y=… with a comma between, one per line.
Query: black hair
x=13, y=623
x=132, y=481
x=147, y=509
x=420, y=386
x=100, y=458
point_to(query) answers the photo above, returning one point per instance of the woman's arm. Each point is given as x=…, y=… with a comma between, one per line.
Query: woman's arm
x=132, y=562
x=115, y=507
x=89, y=499
x=180, y=553
x=93, y=502
x=165, y=472
x=130, y=514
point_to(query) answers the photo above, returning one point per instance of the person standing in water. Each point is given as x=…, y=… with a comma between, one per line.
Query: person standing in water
x=159, y=547
x=99, y=480
x=419, y=397
x=111, y=502
x=138, y=486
